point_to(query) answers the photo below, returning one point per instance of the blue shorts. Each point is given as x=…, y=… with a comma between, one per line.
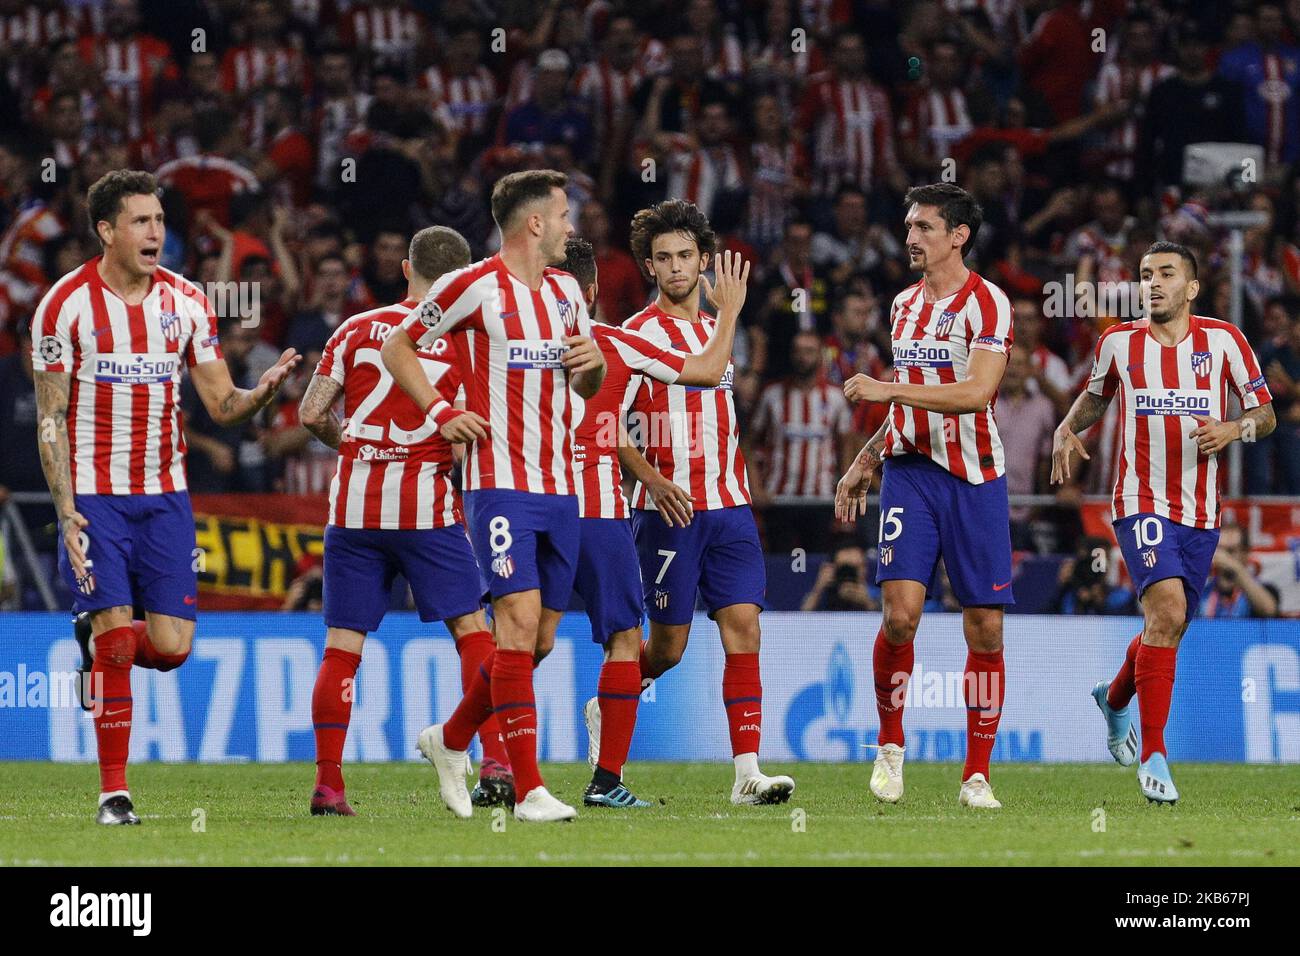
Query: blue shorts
x=717, y=554
x=525, y=541
x=142, y=550
x=361, y=564
x=1156, y=548
x=926, y=513
x=609, y=577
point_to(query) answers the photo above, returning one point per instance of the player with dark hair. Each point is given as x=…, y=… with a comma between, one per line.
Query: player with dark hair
x=944, y=491
x=609, y=576
x=393, y=509
x=109, y=340
x=1173, y=372
x=695, y=532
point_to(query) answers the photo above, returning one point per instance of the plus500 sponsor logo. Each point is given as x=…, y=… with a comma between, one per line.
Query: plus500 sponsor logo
x=921, y=355
x=535, y=353
x=135, y=368
x=1171, y=401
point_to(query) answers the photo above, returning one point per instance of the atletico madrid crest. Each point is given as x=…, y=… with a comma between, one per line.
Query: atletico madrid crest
x=886, y=554
x=661, y=599
x=944, y=328
x=1201, y=362
x=1149, y=557
x=503, y=565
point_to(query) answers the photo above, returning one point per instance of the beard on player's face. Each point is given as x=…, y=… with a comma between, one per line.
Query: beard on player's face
x=678, y=287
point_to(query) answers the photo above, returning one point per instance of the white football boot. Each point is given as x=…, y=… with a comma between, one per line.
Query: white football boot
x=540, y=807
x=453, y=766
x=1155, y=780
x=591, y=714
x=977, y=794
x=887, y=774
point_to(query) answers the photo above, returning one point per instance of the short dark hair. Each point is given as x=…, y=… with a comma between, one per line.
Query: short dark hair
x=515, y=190
x=1174, y=248
x=104, y=198
x=437, y=250
x=956, y=206
x=671, y=215
x=579, y=261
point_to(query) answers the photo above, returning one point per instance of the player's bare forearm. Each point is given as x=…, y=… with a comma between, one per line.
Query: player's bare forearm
x=400, y=358
x=316, y=410
x=1086, y=411
x=875, y=444
x=229, y=405
x=587, y=383
x=630, y=457
x=52, y=391
x=707, y=368
x=971, y=394
x=1264, y=420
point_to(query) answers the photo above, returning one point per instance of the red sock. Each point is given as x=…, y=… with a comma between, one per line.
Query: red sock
x=1123, y=687
x=892, y=664
x=1155, y=688
x=618, y=692
x=148, y=656
x=512, y=700
x=474, y=649
x=331, y=710
x=474, y=708
x=985, y=687
x=647, y=672
x=742, y=694
x=111, y=685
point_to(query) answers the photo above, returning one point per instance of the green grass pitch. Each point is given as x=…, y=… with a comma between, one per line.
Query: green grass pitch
x=1052, y=814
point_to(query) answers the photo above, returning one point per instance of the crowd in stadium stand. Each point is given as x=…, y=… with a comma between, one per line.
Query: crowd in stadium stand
x=300, y=143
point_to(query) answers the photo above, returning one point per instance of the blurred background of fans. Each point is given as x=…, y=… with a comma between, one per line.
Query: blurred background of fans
x=300, y=143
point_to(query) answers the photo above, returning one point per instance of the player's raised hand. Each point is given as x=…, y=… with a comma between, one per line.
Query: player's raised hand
x=464, y=427
x=75, y=541
x=583, y=354
x=864, y=388
x=731, y=273
x=674, y=502
x=1064, y=442
x=1212, y=435
x=275, y=376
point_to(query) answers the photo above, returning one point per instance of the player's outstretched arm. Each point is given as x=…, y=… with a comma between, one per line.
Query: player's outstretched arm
x=316, y=410
x=399, y=357
x=52, y=392
x=972, y=394
x=728, y=297
x=228, y=405
x=1086, y=411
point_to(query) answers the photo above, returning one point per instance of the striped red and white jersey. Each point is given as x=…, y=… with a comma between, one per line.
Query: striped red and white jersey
x=701, y=176
x=1124, y=81
x=1161, y=388
x=250, y=67
x=933, y=343
x=508, y=342
x=851, y=131
x=124, y=417
x=390, y=32
x=131, y=69
x=608, y=91
x=689, y=434
x=207, y=182
x=936, y=120
x=394, y=469
x=468, y=98
x=802, y=429
x=596, y=471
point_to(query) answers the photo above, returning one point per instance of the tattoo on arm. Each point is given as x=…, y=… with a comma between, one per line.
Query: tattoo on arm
x=1086, y=411
x=316, y=413
x=1258, y=422
x=52, y=391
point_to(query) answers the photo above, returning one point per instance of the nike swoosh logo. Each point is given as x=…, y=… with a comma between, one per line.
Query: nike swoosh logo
x=1135, y=366
x=509, y=315
x=985, y=723
x=752, y=713
x=114, y=713
x=511, y=720
x=1001, y=587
